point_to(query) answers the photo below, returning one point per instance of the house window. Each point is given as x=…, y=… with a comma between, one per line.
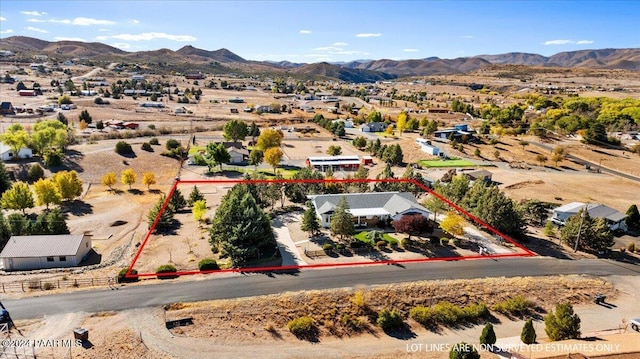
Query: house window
x=63, y=259
x=49, y=259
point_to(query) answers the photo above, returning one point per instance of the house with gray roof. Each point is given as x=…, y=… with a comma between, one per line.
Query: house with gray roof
x=46, y=251
x=368, y=208
x=614, y=219
x=374, y=127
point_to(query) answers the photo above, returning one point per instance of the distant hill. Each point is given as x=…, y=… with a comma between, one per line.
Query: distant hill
x=354, y=71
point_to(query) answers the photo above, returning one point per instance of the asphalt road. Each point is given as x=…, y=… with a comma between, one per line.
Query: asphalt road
x=253, y=284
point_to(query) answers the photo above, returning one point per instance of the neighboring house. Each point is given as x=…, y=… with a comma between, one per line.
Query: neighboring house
x=482, y=175
x=88, y=93
x=263, y=108
x=368, y=208
x=6, y=108
x=131, y=92
x=137, y=77
x=236, y=100
x=439, y=110
x=373, y=127
x=427, y=147
x=130, y=125
x=195, y=76
x=28, y=93
x=614, y=219
x=8, y=154
x=348, y=123
x=152, y=104
x=179, y=110
x=237, y=152
x=336, y=163
x=48, y=251
x=457, y=132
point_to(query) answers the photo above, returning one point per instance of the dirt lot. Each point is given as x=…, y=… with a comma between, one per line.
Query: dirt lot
x=257, y=326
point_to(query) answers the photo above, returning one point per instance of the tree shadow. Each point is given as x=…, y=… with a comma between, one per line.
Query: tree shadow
x=567, y=168
x=402, y=333
x=312, y=335
x=135, y=191
x=155, y=191
x=546, y=248
x=78, y=208
x=128, y=155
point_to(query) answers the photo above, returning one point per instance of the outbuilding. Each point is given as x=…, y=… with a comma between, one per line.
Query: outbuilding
x=45, y=251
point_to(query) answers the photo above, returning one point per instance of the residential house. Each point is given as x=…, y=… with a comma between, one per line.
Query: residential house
x=456, y=132
x=614, y=219
x=195, y=76
x=6, y=108
x=8, y=154
x=373, y=127
x=46, y=251
x=368, y=208
x=482, y=175
x=28, y=93
x=130, y=125
x=237, y=152
x=336, y=163
x=236, y=100
x=137, y=77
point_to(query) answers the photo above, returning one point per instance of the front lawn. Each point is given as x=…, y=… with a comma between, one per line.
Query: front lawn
x=362, y=237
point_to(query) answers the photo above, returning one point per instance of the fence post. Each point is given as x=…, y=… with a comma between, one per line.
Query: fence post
x=58, y=283
x=92, y=281
x=3, y=291
x=22, y=284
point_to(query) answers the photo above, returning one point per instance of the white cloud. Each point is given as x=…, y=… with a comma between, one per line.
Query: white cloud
x=103, y=30
x=86, y=21
x=147, y=36
x=35, y=29
x=134, y=21
x=63, y=38
x=467, y=37
x=369, y=35
x=3, y=18
x=410, y=50
x=33, y=13
x=7, y=31
x=558, y=42
x=328, y=48
x=340, y=44
x=80, y=21
x=304, y=32
x=584, y=42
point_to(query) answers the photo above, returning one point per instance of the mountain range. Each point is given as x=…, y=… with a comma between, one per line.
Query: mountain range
x=355, y=71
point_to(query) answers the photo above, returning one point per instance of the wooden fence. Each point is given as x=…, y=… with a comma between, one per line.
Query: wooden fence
x=53, y=283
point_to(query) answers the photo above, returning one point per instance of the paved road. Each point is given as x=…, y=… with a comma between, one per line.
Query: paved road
x=239, y=285
x=592, y=164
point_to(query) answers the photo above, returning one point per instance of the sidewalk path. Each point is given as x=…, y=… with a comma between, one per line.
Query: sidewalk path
x=288, y=250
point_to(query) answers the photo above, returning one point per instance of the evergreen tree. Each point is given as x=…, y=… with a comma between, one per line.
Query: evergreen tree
x=19, y=224
x=242, y=228
x=297, y=191
x=177, y=201
x=166, y=218
x=195, y=196
x=463, y=351
x=5, y=181
x=563, y=324
x=40, y=226
x=56, y=223
x=528, y=335
x=342, y=220
x=488, y=336
x=594, y=233
x=310, y=220
x=5, y=230
x=386, y=186
x=633, y=217
x=362, y=174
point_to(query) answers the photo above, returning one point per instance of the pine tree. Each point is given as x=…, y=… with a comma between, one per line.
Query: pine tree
x=563, y=324
x=56, y=223
x=310, y=220
x=488, y=336
x=195, y=196
x=528, y=335
x=19, y=224
x=242, y=228
x=342, y=220
x=5, y=230
x=177, y=201
x=166, y=218
x=5, y=182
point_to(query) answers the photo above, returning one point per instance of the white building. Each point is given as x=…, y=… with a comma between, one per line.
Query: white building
x=8, y=154
x=427, y=147
x=47, y=251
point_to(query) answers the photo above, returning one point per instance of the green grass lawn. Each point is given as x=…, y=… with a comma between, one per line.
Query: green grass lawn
x=362, y=237
x=446, y=163
x=195, y=149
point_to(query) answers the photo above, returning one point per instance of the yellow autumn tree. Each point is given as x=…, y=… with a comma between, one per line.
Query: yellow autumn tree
x=401, y=122
x=128, y=177
x=453, y=224
x=109, y=179
x=273, y=156
x=148, y=178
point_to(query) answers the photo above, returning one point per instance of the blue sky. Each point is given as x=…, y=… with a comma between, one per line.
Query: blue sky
x=312, y=31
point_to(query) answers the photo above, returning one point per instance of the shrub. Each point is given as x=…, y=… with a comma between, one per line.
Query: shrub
x=340, y=246
x=172, y=144
x=392, y=241
x=516, y=305
x=356, y=244
x=48, y=286
x=406, y=242
x=166, y=268
x=389, y=319
x=488, y=336
x=381, y=244
x=121, y=276
x=352, y=322
x=421, y=314
x=435, y=241
x=35, y=172
x=475, y=311
x=208, y=264
x=631, y=247
x=563, y=324
x=147, y=147
x=301, y=327
x=447, y=313
x=463, y=351
x=327, y=246
x=123, y=148
x=444, y=241
x=154, y=141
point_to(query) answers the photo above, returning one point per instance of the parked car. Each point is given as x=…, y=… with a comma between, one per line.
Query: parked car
x=635, y=324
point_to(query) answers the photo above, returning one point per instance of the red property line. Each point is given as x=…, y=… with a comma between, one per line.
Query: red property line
x=527, y=253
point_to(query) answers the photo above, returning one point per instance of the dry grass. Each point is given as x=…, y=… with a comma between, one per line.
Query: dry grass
x=241, y=317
